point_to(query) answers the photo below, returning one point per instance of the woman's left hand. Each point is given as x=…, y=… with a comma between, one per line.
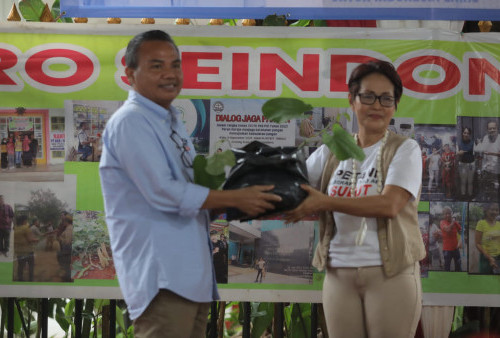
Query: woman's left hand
x=493, y=262
x=311, y=205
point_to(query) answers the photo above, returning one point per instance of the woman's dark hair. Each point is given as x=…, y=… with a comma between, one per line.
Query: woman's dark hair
x=467, y=128
x=21, y=219
x=131, y=58
x=488, y=207
x=376, y=66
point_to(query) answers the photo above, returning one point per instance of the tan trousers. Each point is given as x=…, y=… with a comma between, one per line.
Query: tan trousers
x=170, y=315
x=362, y=302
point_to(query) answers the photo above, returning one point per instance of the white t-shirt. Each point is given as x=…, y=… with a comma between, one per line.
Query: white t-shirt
x=434, y=161
x=82, y=137
x=404, y=171
x=491, y=163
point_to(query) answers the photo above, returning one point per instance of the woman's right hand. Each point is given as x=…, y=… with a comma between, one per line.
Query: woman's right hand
x=311, y=205
x=493, y=262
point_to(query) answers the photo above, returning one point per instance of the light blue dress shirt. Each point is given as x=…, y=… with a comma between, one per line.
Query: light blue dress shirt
x=158, y=231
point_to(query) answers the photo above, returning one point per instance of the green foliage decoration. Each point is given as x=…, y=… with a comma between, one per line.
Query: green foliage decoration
x=298, y=320
x=56, y=13
x=32, y=10
x=261, y=317
x=301, y=23
x=280, y=110
x=202, y=177
x=338, y=140
x=274, y=20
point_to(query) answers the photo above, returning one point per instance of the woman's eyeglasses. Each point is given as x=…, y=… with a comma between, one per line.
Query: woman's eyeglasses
x=370, y=98
x=182, y=144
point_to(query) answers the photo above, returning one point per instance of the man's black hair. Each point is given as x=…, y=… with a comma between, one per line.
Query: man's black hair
x=131, y=58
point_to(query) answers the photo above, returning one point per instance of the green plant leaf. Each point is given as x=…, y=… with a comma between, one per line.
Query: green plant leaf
x=31, y=9
x=18, y=325
x=99, y=303
x=56, y=13
x=274, y=20
x=69, y=308
x=342, y=144
x=229, y=22
x=301, y=23
x=282, y=109
x=299, y=323
x=319, y=23
x=63, y=322
x=218, y=161
x=262, y=317
x=202, y=177
x=130, y=331
x=119, y=318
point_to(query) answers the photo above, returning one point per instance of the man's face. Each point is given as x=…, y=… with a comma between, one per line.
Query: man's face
x=492, y=131
x=158, y=75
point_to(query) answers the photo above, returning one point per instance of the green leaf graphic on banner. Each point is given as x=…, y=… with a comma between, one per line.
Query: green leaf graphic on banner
x=31, y=9
x=280, y=109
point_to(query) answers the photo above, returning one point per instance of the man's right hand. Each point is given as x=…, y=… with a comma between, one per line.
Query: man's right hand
x=255, y=200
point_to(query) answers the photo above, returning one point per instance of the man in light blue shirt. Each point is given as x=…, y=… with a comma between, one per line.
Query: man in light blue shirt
x=157, y=218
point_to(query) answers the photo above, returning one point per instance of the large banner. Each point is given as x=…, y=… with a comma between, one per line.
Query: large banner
x=58, y=88
x=294, y=9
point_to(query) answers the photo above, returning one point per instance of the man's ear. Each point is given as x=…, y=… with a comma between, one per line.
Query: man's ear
x=130, y=75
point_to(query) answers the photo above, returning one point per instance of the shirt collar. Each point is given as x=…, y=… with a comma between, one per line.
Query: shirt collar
x=156, y=109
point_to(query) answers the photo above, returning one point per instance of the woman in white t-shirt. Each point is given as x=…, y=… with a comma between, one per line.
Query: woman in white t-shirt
x=361, y=295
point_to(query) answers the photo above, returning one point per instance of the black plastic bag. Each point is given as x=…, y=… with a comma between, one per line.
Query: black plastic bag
x=260, y=164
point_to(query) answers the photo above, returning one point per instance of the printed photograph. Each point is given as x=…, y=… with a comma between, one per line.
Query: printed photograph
x=37, y=230
x=91, y=256
x=32, y=145
x=271, y=252
x=219, y=234
x=438, y=144
x=478, y=159
x=84, y=125
x=448, y=230
x=484, y=238
x=423, y=223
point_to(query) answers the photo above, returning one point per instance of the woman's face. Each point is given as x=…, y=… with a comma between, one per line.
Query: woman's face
x=492, y=212
x=374, y=117
x=466, y=135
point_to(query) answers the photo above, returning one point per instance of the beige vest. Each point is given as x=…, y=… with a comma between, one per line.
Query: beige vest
x=399, y=237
